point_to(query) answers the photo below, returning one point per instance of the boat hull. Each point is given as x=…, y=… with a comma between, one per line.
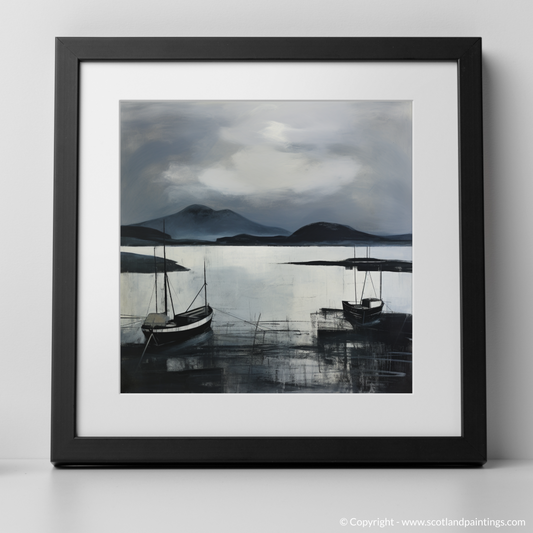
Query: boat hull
x=361, y=314
x=184, y=327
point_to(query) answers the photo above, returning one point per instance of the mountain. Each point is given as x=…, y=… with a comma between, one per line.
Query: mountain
x=317, y=233
x=201, y=222
x=198, y=224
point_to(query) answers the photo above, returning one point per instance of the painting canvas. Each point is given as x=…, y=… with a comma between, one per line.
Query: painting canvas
x=266, y=247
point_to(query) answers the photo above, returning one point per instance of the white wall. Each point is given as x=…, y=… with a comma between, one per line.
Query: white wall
x=27, y=31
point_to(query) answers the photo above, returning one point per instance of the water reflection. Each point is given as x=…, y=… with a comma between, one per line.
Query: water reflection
x=312, y=349
x=277, y=357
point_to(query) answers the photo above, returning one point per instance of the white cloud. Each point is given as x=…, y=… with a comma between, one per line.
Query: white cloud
x=275, y=131
x=263, y=169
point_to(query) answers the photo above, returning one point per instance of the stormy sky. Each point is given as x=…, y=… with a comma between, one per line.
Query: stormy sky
x=279, y=163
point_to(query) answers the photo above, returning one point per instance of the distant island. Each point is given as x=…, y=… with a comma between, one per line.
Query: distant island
x=364, y=264
x=145, y=264
x=198, y=224
x=322, y=233
x=141, y=236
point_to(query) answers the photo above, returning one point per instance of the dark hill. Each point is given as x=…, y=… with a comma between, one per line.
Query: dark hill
x=140, y=236
x=139, y=232
x=322, y=233
x=146, y=264
x=330, y=232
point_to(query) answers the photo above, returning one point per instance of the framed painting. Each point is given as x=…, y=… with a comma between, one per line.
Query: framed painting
x=268, y=251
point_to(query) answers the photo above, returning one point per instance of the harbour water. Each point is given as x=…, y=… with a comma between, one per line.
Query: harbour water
x=277, y=327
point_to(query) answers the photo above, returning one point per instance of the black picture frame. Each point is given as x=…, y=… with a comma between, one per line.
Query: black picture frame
x=67, y=448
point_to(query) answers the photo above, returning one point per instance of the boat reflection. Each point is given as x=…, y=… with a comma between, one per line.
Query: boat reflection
x=279, y=357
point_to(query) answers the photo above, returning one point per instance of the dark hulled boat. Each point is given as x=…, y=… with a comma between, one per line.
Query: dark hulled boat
x=367, y=310
x=178, y=329
x=165, y=328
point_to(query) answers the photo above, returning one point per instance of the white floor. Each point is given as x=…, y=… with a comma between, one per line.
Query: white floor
x=36, y=498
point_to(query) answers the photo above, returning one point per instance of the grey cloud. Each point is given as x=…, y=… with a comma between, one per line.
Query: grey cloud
x=166, y=146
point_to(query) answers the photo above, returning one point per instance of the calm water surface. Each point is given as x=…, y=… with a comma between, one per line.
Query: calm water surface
x=277, y=327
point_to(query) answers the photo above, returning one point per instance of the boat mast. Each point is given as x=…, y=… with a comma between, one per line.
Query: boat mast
x=171, y=300
x=366, y=275
x=205, y=291
x=165, y=267
x=155, y=272
x=364, y=284
x=354, y=277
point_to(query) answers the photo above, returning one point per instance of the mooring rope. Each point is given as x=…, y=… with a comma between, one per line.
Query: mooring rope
x=255, y=324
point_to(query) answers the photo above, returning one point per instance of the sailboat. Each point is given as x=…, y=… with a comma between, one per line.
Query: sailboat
x=165, y=328
x=367, y=310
